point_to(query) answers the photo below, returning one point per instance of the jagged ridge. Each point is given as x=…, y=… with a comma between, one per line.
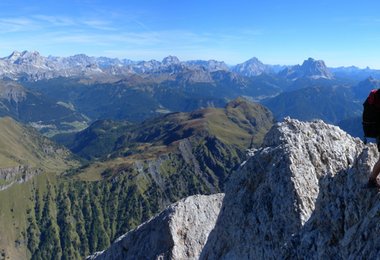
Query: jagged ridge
x=302, y=195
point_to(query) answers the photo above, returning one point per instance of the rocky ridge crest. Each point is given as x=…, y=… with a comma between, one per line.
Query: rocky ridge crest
x=303, y=195
x=299, y=196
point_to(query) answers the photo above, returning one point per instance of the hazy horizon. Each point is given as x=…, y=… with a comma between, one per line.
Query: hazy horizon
x=286, y=33
x=228, y=64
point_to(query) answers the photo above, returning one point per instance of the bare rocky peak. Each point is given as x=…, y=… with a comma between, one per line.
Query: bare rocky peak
x=30, y=57
x=14, y=56
x=316, y=68
x=281, y=189
x=170, y=60
x=310, y=68
x=252, y=67
x=302, y=196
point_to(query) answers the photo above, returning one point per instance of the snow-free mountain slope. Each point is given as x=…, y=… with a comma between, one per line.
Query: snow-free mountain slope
x=302, y=195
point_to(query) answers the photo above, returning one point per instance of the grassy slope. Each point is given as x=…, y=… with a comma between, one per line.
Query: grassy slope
x=15, y=202
x=238, y=126
x=24, y=146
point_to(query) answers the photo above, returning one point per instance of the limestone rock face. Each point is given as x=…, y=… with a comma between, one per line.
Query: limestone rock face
x=302, y=196
x=179, y=232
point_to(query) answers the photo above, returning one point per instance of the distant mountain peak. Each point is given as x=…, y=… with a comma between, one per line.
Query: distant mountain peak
x=253, y=59
x=28, y=55
x=251, y=67
x=310, y=68
x=14, y=55
x=24, y=54
x=170, y=60
x=310, y=62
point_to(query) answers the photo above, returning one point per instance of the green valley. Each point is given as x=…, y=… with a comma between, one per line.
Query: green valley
x=30, y=107
x=129, y=172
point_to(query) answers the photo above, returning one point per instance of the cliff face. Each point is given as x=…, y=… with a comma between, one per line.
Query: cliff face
x=300, y=196
x=303, y=195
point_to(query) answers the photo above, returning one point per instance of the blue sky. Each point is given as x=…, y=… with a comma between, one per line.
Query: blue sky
x=342, y=33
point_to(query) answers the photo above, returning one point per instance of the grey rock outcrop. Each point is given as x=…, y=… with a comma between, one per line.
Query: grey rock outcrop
x=179, y=232
x=302, y=196
x=298, y=196
x=17, y=174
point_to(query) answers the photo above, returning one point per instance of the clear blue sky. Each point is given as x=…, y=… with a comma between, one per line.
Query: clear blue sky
x=342, y=33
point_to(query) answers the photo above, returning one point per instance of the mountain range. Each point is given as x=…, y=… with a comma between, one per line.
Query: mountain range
x=32, y=66
x=78, y=90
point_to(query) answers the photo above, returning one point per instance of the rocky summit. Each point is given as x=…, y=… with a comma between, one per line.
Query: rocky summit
x=310, y=68
x=303, y=195
x=250, y=68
